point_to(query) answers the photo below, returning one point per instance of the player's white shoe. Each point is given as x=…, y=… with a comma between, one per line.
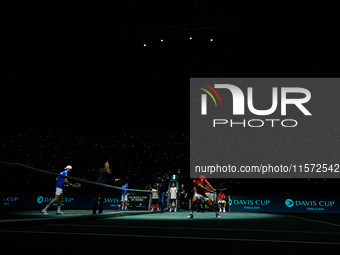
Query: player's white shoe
x=223, y=209
x=60, y=213
x=43, y=212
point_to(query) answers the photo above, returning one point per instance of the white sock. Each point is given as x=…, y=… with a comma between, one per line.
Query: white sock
x=45, y=209
x=59, y=207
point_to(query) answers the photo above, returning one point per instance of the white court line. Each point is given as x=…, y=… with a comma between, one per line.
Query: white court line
x=319, y=221
x=168, y=237
x=206, y=229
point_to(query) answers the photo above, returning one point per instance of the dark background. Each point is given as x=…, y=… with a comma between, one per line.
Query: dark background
x=83, y=69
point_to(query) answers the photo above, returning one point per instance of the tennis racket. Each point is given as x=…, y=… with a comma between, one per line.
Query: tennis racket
x=75, y=185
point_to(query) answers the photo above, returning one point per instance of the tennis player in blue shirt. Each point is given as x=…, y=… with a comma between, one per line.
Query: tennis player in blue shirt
x=124, y=195
x=58, y=191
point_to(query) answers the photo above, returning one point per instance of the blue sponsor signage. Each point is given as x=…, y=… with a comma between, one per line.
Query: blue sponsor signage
x=69, y=201
x=75, y=201
x=284, y=204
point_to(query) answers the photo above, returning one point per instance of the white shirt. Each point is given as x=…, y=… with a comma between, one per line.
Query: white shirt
x=173, y=192
x=154, y=194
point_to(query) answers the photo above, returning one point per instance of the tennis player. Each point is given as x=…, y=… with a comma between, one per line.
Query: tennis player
x=58, y=191
x=125, y=196
x=201, y=191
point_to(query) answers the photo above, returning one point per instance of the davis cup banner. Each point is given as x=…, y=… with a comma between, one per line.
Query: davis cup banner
x=284, y=204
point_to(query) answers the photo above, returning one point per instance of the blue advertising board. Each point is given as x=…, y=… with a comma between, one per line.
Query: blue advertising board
x=284, y=204
x=74, y=201
x=70, y=201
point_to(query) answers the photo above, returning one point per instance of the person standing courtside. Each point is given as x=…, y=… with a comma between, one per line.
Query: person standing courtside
x=183, y=198
x=162, y=189
x=103, y=177
x=173, y=197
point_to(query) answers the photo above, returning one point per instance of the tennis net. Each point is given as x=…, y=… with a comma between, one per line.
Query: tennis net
x=26, y=190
